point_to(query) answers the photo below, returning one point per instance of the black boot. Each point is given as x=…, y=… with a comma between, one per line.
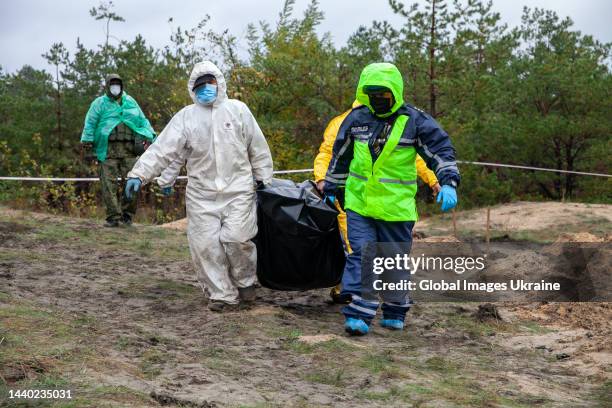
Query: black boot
x=248, y=294
x=219, y=306
x=127, y=219
x=111, y=223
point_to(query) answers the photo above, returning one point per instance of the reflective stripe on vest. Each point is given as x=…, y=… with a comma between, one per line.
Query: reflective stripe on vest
x=383, y=189
x=397, y=181
x=358, y=176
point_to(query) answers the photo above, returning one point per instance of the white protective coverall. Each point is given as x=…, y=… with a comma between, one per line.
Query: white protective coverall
x=168, y=177
x=224, y=150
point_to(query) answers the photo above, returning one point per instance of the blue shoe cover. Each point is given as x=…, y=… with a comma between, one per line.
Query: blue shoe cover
x=356, y=327
x=393, y=324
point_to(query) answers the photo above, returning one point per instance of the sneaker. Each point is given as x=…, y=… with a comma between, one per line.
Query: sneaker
x=392, y=324
x=356, y=327
x=111, y=223
x=247, y=294
x=219, y=306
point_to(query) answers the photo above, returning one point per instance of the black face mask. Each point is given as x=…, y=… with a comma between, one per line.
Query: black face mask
x=380, y=104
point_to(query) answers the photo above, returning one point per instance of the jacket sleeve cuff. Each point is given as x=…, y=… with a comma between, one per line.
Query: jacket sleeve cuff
x=449, y=180
x=330, y=188
x=162, y=184
x=131, y=174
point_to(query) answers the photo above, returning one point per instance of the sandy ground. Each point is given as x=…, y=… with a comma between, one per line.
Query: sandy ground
x=117, y=316
x=523, y=216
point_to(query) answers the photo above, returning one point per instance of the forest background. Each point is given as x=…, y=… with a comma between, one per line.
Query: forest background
x=537, y=94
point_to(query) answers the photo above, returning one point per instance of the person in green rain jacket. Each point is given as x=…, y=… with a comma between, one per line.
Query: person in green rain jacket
x=116, y=131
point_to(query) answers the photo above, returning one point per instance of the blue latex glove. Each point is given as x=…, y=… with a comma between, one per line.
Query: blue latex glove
x=448, y=196
x=131, y=188
x=167, y=191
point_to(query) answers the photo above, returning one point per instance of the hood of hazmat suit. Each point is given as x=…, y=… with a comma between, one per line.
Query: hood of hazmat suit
x=224, y=151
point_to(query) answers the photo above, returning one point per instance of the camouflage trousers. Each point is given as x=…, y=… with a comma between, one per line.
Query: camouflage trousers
x=117, y=165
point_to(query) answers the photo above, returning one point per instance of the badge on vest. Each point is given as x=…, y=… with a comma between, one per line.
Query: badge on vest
x=360, y=129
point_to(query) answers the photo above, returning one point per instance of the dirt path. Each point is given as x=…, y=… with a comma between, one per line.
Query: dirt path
x=116, y=316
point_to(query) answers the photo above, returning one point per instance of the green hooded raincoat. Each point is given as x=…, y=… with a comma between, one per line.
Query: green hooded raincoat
x=105, y=113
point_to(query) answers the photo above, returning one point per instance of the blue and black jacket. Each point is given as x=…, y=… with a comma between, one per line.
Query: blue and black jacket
x=422, y=131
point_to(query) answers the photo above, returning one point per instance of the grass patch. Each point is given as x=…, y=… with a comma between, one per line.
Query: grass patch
x=441, y=364
x=223, y=361
x=300, y=347
x=178, y=288
x=151, y=362
x=170, y=245
x=381, y=363
x=83, y=395
x=118, y=394
x=334, y=347
x=59, y=233
x=235, y=326
x=449, y=391
x=407, y=392
x=31, y=332
x=39, y=348
x=336, y=378
x=124, y=343
x=30, y=257
x=603, y=395
x=438, y=380
x=534, y=327
x=375, y=363
x=291, y=341
x=42, y=382
x=214, y=352
x=474, y=327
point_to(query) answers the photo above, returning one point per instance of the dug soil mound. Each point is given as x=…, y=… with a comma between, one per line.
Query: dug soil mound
x=524, y=216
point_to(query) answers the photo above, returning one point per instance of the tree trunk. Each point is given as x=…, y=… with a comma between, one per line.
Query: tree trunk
x=546, y=191
x=432, y=64
x=558, y=183
x=569, y=158
x=107, y=32
x=58, y=109
x=415, y=87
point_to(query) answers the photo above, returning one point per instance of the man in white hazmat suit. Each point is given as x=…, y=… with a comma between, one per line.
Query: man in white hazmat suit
x=225, y=154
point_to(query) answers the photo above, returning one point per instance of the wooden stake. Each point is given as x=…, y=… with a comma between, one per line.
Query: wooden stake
x=488, y=223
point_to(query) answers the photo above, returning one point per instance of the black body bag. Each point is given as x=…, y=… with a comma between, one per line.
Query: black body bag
x=298, y=242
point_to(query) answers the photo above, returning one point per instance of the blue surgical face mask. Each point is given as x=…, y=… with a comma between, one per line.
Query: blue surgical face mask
x=206, y=94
